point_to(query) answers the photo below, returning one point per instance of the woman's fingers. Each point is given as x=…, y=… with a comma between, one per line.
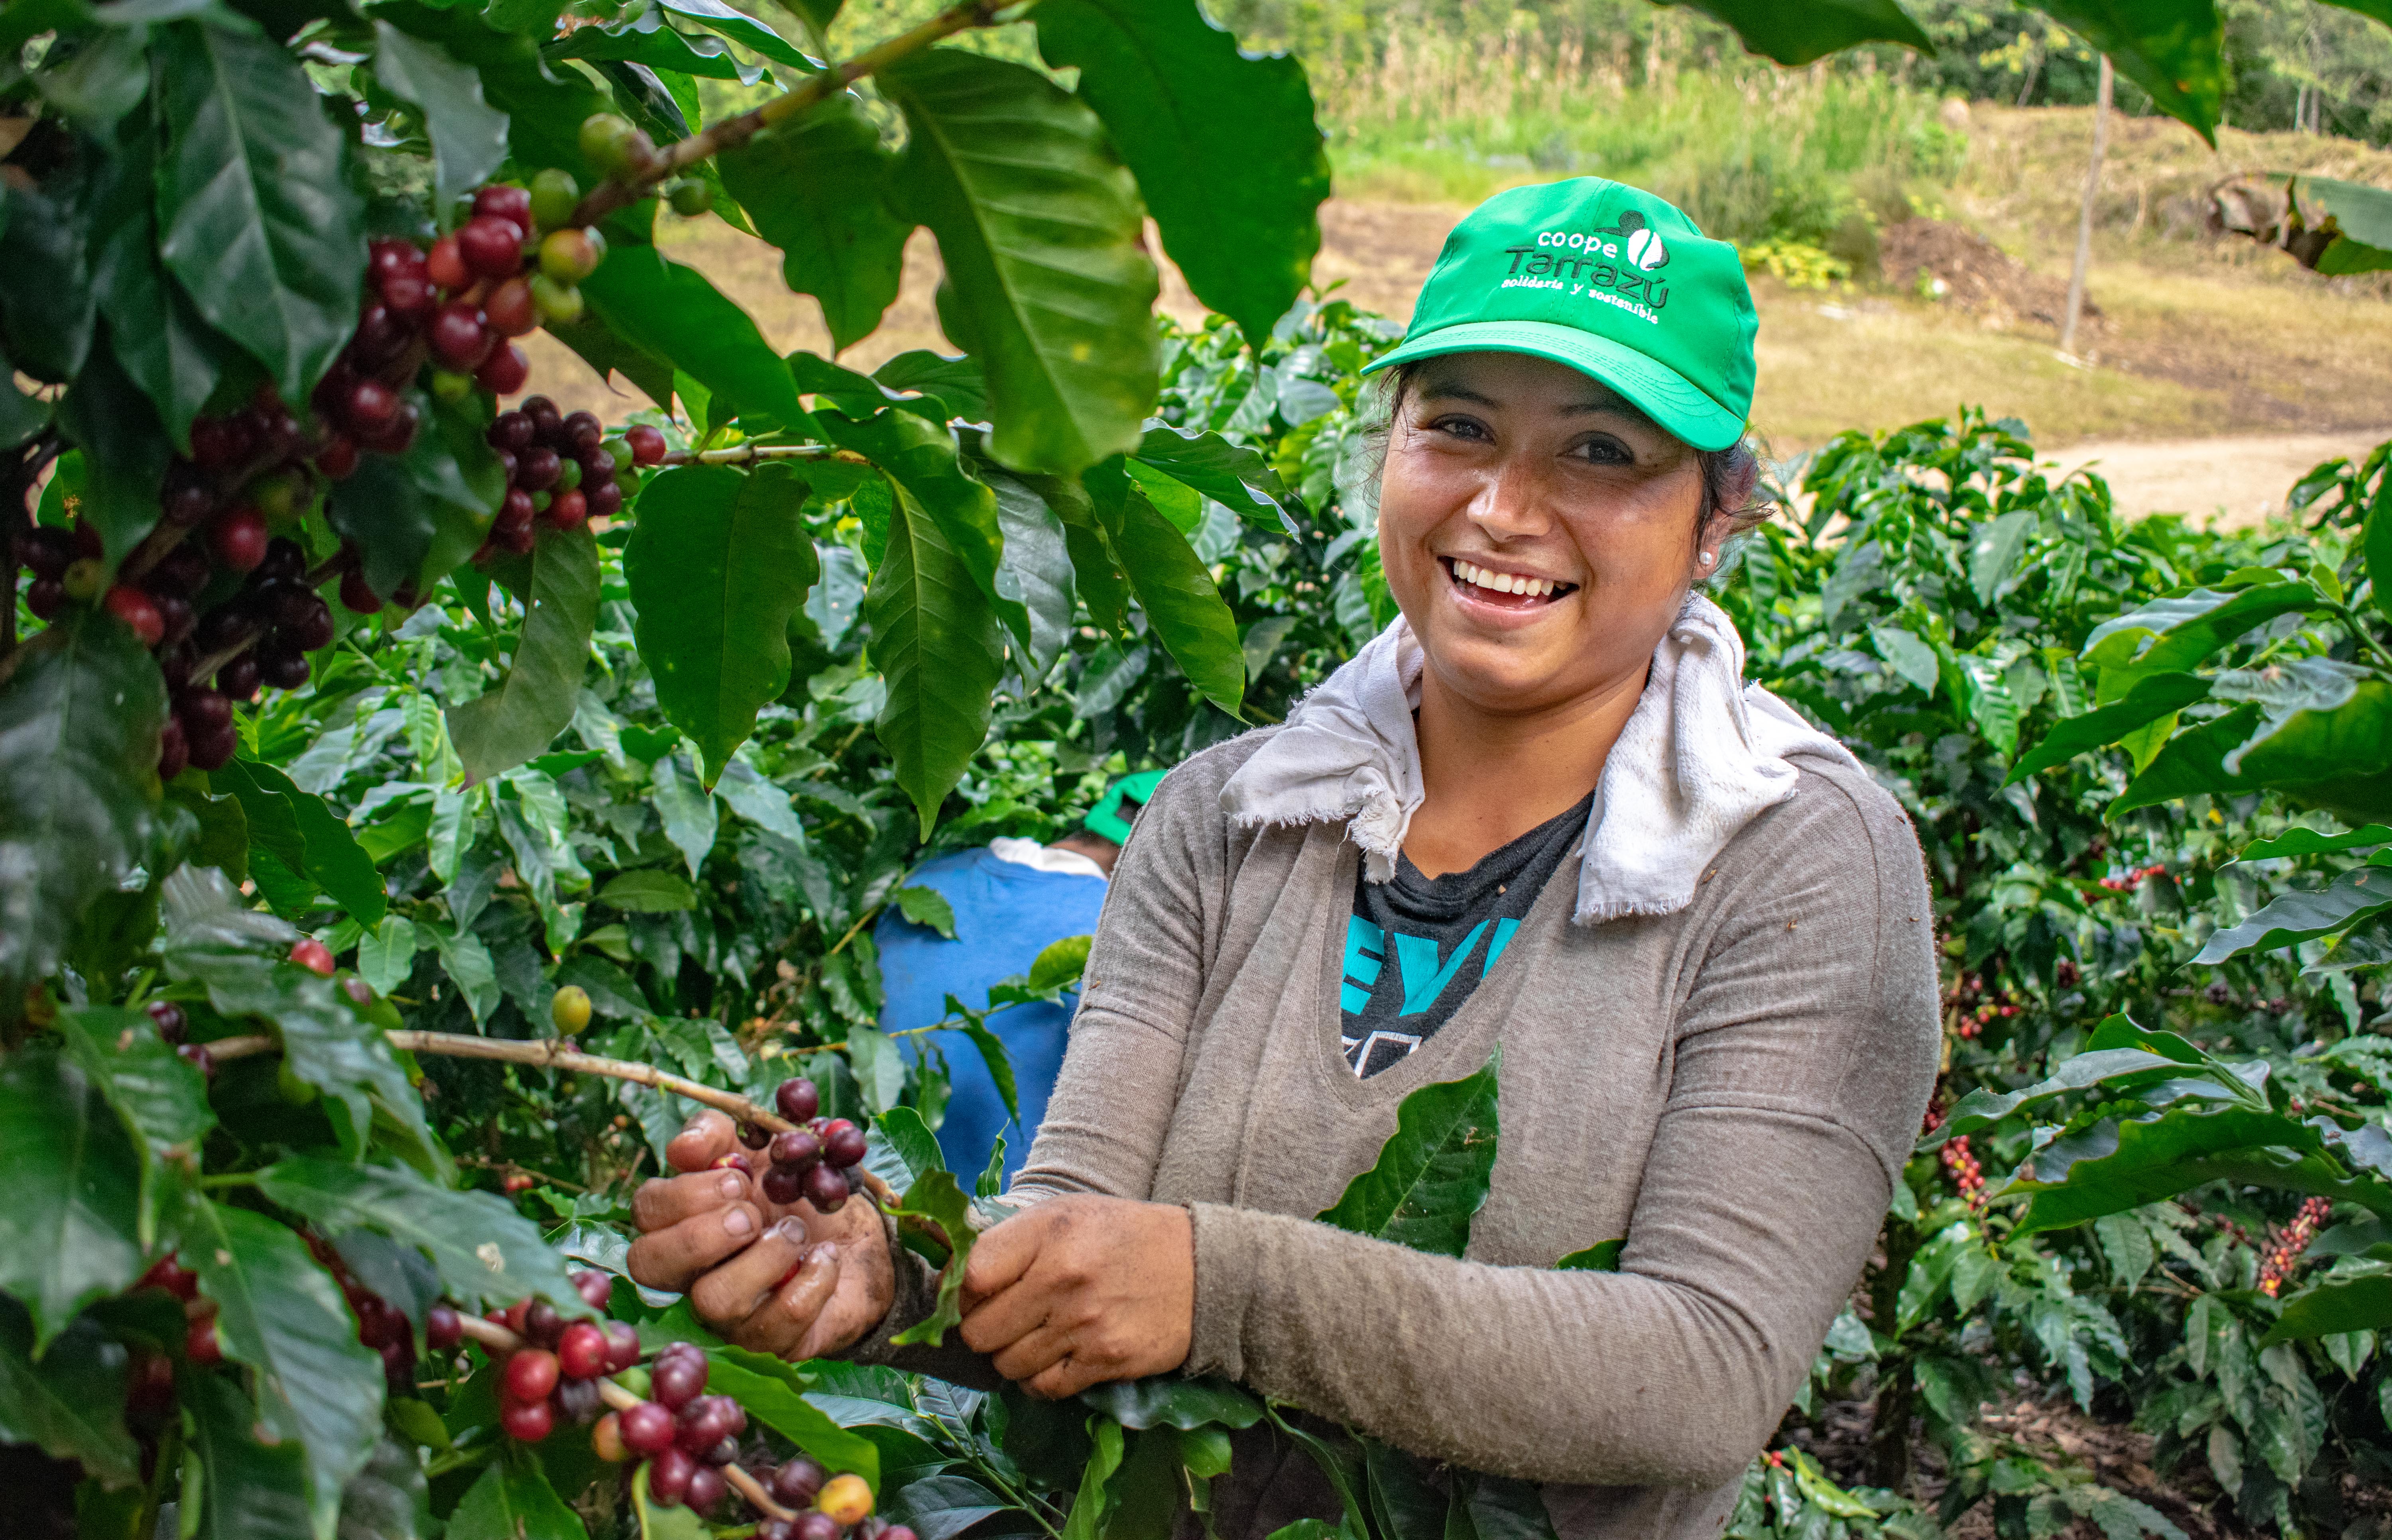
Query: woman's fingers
x=731, y=1293
x=666, y=1200
x=702, y=1141
x=671, y=1257
x=805, y=1299
x=999, y=1258
x=1066, y=1377
x=1036, y=1352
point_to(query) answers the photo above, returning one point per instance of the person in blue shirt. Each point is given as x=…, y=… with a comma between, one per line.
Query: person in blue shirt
x=1011, y=898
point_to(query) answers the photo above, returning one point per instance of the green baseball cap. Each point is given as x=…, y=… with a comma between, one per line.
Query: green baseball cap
x=1608, y=279
x=1106, y=817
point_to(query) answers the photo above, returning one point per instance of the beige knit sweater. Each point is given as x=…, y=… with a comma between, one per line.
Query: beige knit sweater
x=1733, y=1088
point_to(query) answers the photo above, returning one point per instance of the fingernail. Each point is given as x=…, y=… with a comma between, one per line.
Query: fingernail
x=791, y=1229
x=827, y=1249
x=738, y=1224
x=732, y=1186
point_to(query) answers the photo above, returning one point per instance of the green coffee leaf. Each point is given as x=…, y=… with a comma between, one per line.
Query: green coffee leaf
x=46, y=307
x=159, y=337
x=2118, y=1164
x=2154, y=697
x=486, y=1254
x=1603, y=1257
x=927, y=907
x=1034, y=571
x=81, y=705
x=1235, y=192
x=521, y=717
x=1060, y=963
x=1175, y=1401
x=251, y=1489
x=161, y=1100
x=674, y=313
x=261, y=224
x=305, y=835
x=2308, y=842
x=909, y=1144
x=645, y=39
x=936, y=1197
x=390, y=1499
x=773, y=1393
x=469, y=137
x=2301, y=916
x=1092, y=1501
x=1181, y=602
x=1038, y=227
x=1432, y=1175
x=2172, y=48
x=69, y=1234
x=281, y=1314
x=921, y=460
x=1237, y=477
x=513, y=1501
x=937, y=644
x=70, y=1400
x=817, y=189
x=106, y=415
x=647, y=892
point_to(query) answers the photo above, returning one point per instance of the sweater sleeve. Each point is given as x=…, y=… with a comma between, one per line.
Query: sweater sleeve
x=1805, y=1052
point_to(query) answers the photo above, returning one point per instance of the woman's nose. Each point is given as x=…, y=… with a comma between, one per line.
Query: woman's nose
x=1510, y=502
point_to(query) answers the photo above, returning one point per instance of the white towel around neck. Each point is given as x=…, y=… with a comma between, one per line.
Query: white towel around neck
x=1701, y=757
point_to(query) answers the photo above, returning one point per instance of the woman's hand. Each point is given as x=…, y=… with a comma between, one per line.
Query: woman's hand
x=787, y=1280
x=1080, y=1290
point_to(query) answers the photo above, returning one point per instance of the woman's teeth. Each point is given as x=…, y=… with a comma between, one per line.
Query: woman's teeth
x=1504, y=582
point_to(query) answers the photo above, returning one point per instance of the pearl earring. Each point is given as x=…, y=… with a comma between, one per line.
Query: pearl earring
x=1708, y=557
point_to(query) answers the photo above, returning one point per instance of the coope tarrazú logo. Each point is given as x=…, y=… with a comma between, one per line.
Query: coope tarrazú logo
x=1644, y=246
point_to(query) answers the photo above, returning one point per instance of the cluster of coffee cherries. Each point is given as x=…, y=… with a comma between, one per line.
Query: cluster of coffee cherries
x=2285, y=1251
x=386, y=1330
x=686, y=1436
x=827, y=1506
x=561, y=468
x=554, y=1377
x=817, y=1163
x=200, y=1345
x=173, y=1024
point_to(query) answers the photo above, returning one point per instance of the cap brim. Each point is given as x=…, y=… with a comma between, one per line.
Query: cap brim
x=1658, y=391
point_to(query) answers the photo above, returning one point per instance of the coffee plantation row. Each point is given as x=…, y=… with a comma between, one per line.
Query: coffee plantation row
x=358, y=959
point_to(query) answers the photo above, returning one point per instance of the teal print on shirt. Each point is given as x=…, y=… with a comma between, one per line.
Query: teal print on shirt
x=1424, y=977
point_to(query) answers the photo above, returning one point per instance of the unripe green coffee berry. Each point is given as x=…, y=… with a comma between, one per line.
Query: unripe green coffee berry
x=539, y=502
x=691, y=198
x=288, y=1084
x=559, y=304
x=279, y=498
x=568, y=475
x=568, y=257
x=629, y=480
x=571, y=1009
x=620, y=452
x=450, y=387
x=612, y=143
x=84, y=579
x=555, y=196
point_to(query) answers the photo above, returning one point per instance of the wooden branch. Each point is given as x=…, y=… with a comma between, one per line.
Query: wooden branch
x=731, y=132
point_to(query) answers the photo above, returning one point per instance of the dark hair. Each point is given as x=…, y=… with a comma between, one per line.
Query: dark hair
x=1731, y=476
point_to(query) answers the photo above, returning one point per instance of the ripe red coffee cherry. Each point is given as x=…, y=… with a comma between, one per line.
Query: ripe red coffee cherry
x=491, y=246
x=442, y=1328
x=393, y=438
x=172, y=1025
x=622, y=1346
x=504, y=372
x=647, y=447
x=139, y=610
x=842, y=1144
x=569, y=510
x=388, y=255
x=357, y=595
x=669, y=1476
x=826, y=1189
x=581, y=1352
x=506, y=202
x=409, y=294
x=595, y=1288
x=371, y=404
x=169, y=1273
x=648, y=1428
x=193, y=1053
x=200, y=1345
x=313, y=955
x=677, y=1377
x=796, y=1148
x=444, y=265
x=460, y=340
x=785, y=1185
x=528, y=1421
x=707, y=1490
x=530, y=1375
x=204, y=712
x=510, y=310
x=812, y=1524
x=239, y=537
x=797, y=1099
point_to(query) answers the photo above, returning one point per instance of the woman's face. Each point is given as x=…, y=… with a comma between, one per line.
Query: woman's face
x=1503, y=468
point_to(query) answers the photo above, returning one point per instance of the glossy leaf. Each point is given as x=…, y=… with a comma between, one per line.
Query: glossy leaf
x=390, y=1499
x=959, y=382
x=940, y=1507
x=910, y=1143
x=1035, y=569
x=70, y=1400
x=718, y=563
x=486, y=1254
x=1432, y=1175
x=2171, y=48
x=648, y=892
x=2299, y=916
x=252, y=1490
x=1231, y=475
x=2308, y=842
x=281, y=1314
x=1038, y=227
x=674, y=313
x=418, y=515
x=512, y=1500
x=46, y=307
x=106, y=415
x=936, y=1197
x=937, y=644
x=2175, y=633
x=817, y=189
x=469, y=137
x=2357, y=1301
x=1797, y=34
x=646, y=38
x=328, y=854
x=544, y=107
x=1603, y=1257
x=262, y=224
x=508, y=726
x=2123, y=1163
x=773, y=1393
x=81, y=705
x=2362, y=214
x=921, y=460
x=68, y=1232
x=2152, y=698
x=1175, y=1401
x=158, y=337
x=1235, y=192
x=1181, y=602
x=161, y=1100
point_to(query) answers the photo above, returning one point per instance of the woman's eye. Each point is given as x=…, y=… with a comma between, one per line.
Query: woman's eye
x=1458, y=427
x=1606, y=452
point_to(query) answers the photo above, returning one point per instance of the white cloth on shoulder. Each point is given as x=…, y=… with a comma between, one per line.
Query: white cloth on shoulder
x=1703, y=753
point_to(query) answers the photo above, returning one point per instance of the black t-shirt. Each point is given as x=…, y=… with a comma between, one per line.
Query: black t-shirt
x=1416, y=946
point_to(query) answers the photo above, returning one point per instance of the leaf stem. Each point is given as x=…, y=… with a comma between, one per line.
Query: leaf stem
x=731, y=132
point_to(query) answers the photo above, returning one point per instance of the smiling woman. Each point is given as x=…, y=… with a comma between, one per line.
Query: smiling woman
x=1542, y=815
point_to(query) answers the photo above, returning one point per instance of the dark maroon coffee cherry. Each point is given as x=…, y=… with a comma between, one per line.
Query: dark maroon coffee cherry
x=702, y=1424
x=669, y=1477
x=205, y=711
x=510, y=432
x=577, y=1401
x=595, y=1288
x=370, y=406
x=395, y=436
x=382, y=338
x=843, y=1144
x=183, y=570
x=676, y=1380
x=511, y=203
x=622, y=1346
x=238, y=680
x=753, y=1137
x=538, y=468
x=721, y=1453
x=796, y=1149
x=239, y=538
x=46, y=551
x=281, y=666
x=814, y=1524
x=491, y=246
x=209, y=753
x=186, y=504
x=706, y=1491
x=648, y=447
x=797, y=1100
x=826, y=1189
x=285, y=562
x=542, y=1324
x=357, y=595
x=584, y=432
x=794, y=1483
x=647, y=1429
x=314, y=627
x=460, y=339
x=198, y=1058
x=176, y=618
x=172, y=1024
x=784, y=1185
x=442, y=1328
x=546, y=422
